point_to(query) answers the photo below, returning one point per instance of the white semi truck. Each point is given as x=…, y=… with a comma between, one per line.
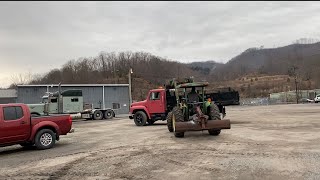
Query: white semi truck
x=69, y=102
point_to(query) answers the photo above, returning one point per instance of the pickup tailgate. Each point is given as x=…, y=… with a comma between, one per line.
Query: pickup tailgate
x=63, y=122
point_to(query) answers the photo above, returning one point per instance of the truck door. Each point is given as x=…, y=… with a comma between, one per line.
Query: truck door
x=156, y=102
x=14, y=124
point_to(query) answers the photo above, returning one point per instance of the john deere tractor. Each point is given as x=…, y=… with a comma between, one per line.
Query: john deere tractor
x=191, y=110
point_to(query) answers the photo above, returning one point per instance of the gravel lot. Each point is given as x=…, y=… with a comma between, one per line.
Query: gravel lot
x=264, y=142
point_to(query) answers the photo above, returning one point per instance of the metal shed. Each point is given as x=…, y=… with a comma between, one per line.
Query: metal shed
x=114, y=96
x=8, y=96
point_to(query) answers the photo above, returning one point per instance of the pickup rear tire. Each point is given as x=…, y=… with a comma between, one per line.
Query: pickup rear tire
x=45, y=139
x=140, y=118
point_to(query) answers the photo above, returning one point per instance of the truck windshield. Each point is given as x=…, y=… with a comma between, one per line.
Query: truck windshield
x=44, y=100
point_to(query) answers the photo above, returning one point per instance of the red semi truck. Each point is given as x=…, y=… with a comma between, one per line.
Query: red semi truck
x=17, y=126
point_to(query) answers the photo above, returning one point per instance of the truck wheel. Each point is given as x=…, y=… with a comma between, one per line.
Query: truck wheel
x=108, y=114
x=45, y=139
x=169, y=122
x=140, y=118
x=214, y=115
x=177, y=116
x=97, y=115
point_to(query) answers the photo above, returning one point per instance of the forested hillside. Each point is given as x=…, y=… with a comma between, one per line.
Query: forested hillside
x=255, y=72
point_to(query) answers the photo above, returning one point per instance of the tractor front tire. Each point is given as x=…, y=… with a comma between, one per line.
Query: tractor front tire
x=214, y=114
x=178, y=117
x=140, y=118
x=169, y=122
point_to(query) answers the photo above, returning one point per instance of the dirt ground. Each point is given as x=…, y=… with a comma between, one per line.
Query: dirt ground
x=264, y=142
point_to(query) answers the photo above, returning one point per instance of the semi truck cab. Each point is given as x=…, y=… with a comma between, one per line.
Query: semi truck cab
x=71, y=101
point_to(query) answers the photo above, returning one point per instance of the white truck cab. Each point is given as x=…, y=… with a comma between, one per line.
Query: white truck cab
x=317, y=98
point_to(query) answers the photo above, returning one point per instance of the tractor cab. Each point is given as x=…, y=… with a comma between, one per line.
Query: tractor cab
x=193, y=96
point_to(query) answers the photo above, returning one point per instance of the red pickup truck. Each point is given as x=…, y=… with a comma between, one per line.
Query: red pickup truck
x=17, y=126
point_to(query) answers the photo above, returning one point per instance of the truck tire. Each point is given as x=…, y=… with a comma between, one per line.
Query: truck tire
x=45, y=139
x=178, y=117
x=214, y=114
x=140, y=118
x=97, y=115
x=108, y=114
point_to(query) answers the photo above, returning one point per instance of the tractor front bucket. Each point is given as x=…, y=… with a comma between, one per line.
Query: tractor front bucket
x=194, y=126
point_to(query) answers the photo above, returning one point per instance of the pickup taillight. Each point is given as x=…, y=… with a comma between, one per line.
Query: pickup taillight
x=70, y=119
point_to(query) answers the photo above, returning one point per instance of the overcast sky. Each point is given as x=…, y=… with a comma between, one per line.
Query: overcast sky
x=38, y=36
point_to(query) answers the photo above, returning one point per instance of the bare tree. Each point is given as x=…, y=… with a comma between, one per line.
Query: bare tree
x=21, y=78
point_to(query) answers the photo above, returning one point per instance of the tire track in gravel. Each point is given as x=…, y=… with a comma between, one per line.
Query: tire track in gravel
x=63, y=171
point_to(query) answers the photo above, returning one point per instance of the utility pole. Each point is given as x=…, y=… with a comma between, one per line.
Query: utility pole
x=296, y=83
x=130, y=95
x=293, y=72
x=60, y=107
x=114, y=72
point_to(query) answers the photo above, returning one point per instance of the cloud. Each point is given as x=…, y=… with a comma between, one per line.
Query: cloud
x=38, y=36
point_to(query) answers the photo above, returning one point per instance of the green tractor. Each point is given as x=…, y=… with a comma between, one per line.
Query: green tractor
x=191, y=110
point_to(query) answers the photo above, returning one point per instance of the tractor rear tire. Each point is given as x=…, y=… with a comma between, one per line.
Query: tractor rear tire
x=177, y=113
x=169, y=122
x=140, y=118
x=214, y=114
